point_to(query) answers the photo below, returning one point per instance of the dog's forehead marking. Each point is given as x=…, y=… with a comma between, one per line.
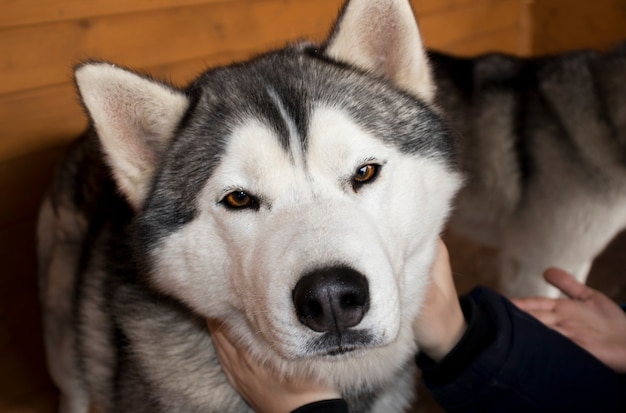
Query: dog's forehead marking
x=295, y=140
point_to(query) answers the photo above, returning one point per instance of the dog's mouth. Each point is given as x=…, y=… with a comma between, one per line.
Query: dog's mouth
x=335, y=345
x=340, y=351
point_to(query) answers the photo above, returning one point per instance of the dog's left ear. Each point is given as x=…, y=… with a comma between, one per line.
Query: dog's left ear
x=135, y=118
x=382, y=37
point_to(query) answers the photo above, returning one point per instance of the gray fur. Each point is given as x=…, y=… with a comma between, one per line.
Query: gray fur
x=543, y=144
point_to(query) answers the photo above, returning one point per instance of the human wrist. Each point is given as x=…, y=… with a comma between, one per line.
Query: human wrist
x=440, y=326
x=449, y=333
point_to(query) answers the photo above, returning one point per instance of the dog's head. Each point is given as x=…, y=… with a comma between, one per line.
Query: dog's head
x=297, y=196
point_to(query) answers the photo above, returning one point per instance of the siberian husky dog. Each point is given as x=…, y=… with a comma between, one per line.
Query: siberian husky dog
x=542, y=143
x=296, y=197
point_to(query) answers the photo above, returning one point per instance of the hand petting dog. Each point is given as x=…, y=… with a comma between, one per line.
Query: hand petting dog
x=259, y=386
x=441, y=323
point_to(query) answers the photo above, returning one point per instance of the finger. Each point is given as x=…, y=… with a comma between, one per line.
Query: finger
x=236, y=357
x=566, y=282
x=222, y=347
x=226, y=350
x=442, y=258
x=441, y=270
x=534, y=304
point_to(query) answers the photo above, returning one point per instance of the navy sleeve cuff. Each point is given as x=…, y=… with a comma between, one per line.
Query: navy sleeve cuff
x=324, y=406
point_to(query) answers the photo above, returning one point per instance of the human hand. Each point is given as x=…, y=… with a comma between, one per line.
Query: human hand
x=440, y=324
x=589, y=318
x=258, y=385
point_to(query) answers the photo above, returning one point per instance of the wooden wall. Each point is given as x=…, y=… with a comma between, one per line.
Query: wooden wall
x=41, y=40
x=564, y=24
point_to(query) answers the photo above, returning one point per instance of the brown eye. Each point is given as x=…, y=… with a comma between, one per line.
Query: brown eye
x=240, y=200
x=364, y=175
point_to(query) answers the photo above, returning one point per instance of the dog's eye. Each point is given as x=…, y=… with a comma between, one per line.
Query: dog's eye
x=240, y=200
x=365, y=174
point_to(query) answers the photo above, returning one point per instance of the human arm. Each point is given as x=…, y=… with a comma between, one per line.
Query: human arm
x=504, y=360
x=589, y=318
x=509, y=361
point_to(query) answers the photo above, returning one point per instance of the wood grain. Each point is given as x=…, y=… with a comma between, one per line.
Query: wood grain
x=560, y=25
x=15, y=13
x=45, y=118
x=40, y=55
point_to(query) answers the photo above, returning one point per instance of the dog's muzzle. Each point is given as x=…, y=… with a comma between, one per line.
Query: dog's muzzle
x=331, y=300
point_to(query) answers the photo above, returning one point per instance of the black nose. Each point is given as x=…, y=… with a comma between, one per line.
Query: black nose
x=331, y=299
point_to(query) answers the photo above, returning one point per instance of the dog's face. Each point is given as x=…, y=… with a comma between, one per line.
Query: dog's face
x=293, y=197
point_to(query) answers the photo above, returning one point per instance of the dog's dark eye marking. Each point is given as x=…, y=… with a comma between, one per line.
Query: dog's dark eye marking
x=240, y=200
x=365, y=174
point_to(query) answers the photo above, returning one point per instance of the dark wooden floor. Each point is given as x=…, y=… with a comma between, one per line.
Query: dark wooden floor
x=24, y=384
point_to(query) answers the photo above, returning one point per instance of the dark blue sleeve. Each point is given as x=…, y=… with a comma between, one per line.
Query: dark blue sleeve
x=510, y=362
x=324, y=406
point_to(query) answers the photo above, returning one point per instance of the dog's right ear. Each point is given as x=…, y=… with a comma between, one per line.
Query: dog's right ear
x=135, y=118
x=382, y=37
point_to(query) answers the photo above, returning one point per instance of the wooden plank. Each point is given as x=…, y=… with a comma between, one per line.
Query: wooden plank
x=507, y=40
x=24, y=13
x=46, y=118
x=38, y=56
x=15, y=13
x=39, y=120
x=424, y=7
x=526, y=25
x=441, y=30
x=560, y=25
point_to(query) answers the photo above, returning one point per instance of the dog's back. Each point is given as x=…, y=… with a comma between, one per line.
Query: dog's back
x=543, y=143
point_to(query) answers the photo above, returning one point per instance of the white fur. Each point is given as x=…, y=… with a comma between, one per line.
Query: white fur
x=241, y=266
